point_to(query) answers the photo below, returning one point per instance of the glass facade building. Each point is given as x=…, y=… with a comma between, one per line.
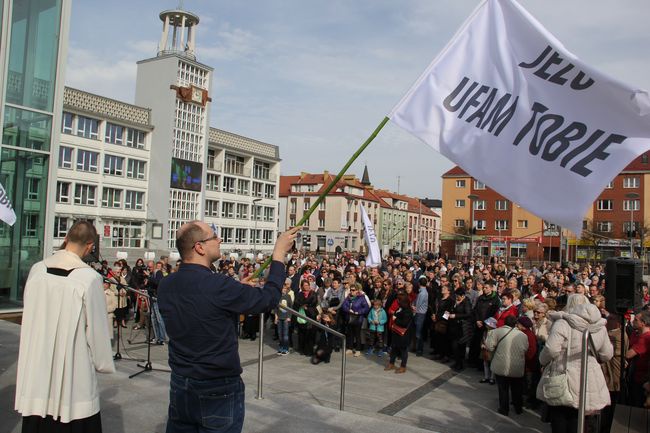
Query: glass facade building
x=34, y=36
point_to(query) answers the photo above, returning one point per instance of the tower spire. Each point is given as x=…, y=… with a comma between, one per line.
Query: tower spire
x=365, y=179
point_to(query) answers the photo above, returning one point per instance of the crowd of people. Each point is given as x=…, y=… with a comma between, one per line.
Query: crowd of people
x=517, y=326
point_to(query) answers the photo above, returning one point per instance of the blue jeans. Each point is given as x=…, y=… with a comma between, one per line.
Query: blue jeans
x=283, y=333
x=202, y=406
x=419, y=324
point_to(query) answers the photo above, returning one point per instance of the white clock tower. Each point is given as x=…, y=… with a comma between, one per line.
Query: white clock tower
x=176, y=88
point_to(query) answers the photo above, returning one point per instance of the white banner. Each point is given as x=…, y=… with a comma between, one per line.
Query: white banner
x=373, y=258
x=516, y=110
x=7, y=213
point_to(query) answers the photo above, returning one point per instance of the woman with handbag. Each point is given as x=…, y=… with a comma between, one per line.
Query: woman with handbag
x=399, y=328
x=442, y=344
x=559, y=386
x=306, y=301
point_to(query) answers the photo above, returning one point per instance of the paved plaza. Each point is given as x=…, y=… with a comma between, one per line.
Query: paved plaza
x=298, y=396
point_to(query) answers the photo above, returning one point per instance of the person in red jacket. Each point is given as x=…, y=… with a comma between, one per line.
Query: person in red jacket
x=525, y=325
x=507, y=308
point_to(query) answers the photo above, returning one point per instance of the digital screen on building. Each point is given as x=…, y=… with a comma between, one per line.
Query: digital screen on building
x=186, y=174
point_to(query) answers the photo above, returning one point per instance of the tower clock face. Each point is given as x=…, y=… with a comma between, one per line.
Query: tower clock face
x=197, y=95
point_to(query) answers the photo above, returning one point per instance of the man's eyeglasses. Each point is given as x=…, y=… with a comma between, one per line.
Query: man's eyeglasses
x=211, y=238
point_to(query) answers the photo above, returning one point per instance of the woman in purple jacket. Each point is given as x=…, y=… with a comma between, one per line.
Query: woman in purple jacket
x=355, y=307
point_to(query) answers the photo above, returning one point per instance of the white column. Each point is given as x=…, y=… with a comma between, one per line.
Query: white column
x=182, y=29
x=163, y=38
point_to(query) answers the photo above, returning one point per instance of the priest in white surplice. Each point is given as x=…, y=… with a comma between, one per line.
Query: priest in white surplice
x=64, y=339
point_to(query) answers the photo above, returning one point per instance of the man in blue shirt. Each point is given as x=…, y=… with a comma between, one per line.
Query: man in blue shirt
x=200, y=309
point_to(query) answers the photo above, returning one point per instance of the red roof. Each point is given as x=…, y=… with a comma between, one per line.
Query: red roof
x=640, y=163
x=455, y=172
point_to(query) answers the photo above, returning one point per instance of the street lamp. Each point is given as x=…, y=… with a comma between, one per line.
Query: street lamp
x=632, y=196
x=254, y=209
x=472, y=198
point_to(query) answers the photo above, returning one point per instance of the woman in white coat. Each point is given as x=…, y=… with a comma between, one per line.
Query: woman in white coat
x=567, y=332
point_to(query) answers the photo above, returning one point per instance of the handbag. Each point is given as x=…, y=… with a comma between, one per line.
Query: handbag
x=554, y=388
x=440, y=327
x=300, y=320
x=398, y=330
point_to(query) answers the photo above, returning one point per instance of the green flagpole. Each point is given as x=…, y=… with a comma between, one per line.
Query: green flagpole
x=321, y=197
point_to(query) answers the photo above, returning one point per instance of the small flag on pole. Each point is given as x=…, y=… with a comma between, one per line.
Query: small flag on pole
x=7, y=213
x=517, y=111
x=373, y=258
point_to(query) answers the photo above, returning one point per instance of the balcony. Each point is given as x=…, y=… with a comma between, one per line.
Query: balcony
x=214, y=165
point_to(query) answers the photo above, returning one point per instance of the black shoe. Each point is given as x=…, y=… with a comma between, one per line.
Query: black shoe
x=418, y=354
x=492, y=382
x=484, y=381
x=503, y=412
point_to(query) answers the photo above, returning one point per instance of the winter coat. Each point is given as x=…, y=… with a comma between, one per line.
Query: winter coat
x=501, y=315
x=612, y=368
x=358, y=305
x=542, y=329
x=568, y=328
x=309, y=303
x=380, y=317
x=404, y=319
x=486, y=306
x=509, y=358
x=461, y=327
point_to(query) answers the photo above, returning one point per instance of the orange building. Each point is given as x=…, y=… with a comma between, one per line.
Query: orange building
x=503, y=228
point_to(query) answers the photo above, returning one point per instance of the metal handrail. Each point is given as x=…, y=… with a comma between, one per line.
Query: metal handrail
x=260, y=368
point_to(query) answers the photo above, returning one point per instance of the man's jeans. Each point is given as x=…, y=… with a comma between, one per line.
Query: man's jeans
x=202, y=406
x=419, y=324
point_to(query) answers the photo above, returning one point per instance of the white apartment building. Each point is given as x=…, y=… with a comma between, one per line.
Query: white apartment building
x=103, y=170
x=241, y=191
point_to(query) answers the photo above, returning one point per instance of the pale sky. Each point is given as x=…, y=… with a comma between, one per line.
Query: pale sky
x=316, y=77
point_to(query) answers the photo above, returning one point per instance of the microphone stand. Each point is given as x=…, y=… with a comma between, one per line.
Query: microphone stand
x=118, y=356
x=147, y=366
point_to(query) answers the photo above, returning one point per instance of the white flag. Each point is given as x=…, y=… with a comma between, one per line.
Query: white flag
x=7, y=213
x=512, y=107
x=373, y=258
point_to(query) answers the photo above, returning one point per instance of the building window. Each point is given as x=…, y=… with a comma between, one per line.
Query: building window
x=256, y=213
x=85, y=194
x=522, y=224
x=33, y=185
x=113, y=165
x=212, y=182
x=460, y=203
x=114, y=133
x=321, y=223
x=501, y=204
x=604, y=226
x=479, y=185
x=240, y=236
x=227, y=210
x=627, y=225
x=135, y=138
x=459, y=223
x=269, y=213
x=65, y=157
x=631, y=205
x=30, y=224
x=242, y=187
x=460, y=183
x=134, y=200
x=234, y=164
x=226, y=235
x=126, y=235
x=111, y=197
x=257, y=189
x=87, y=160
x=631, y=182
x=60, y=227
x=212, y=208
x=229, y=184
x=479, y=204
x=518, y=249
x=261, y=170
x=292, y=206
x=605, y=204
x=267, y=237
x=63, y=192
x=66, y=123
x=501, y=225
x=321, y=205
x=480, y=224
x=242, y=211
x=87, y=127
x=136, y=169
x=610, y=185
x=292, y=221
x=269, y=191
x=644, y=158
